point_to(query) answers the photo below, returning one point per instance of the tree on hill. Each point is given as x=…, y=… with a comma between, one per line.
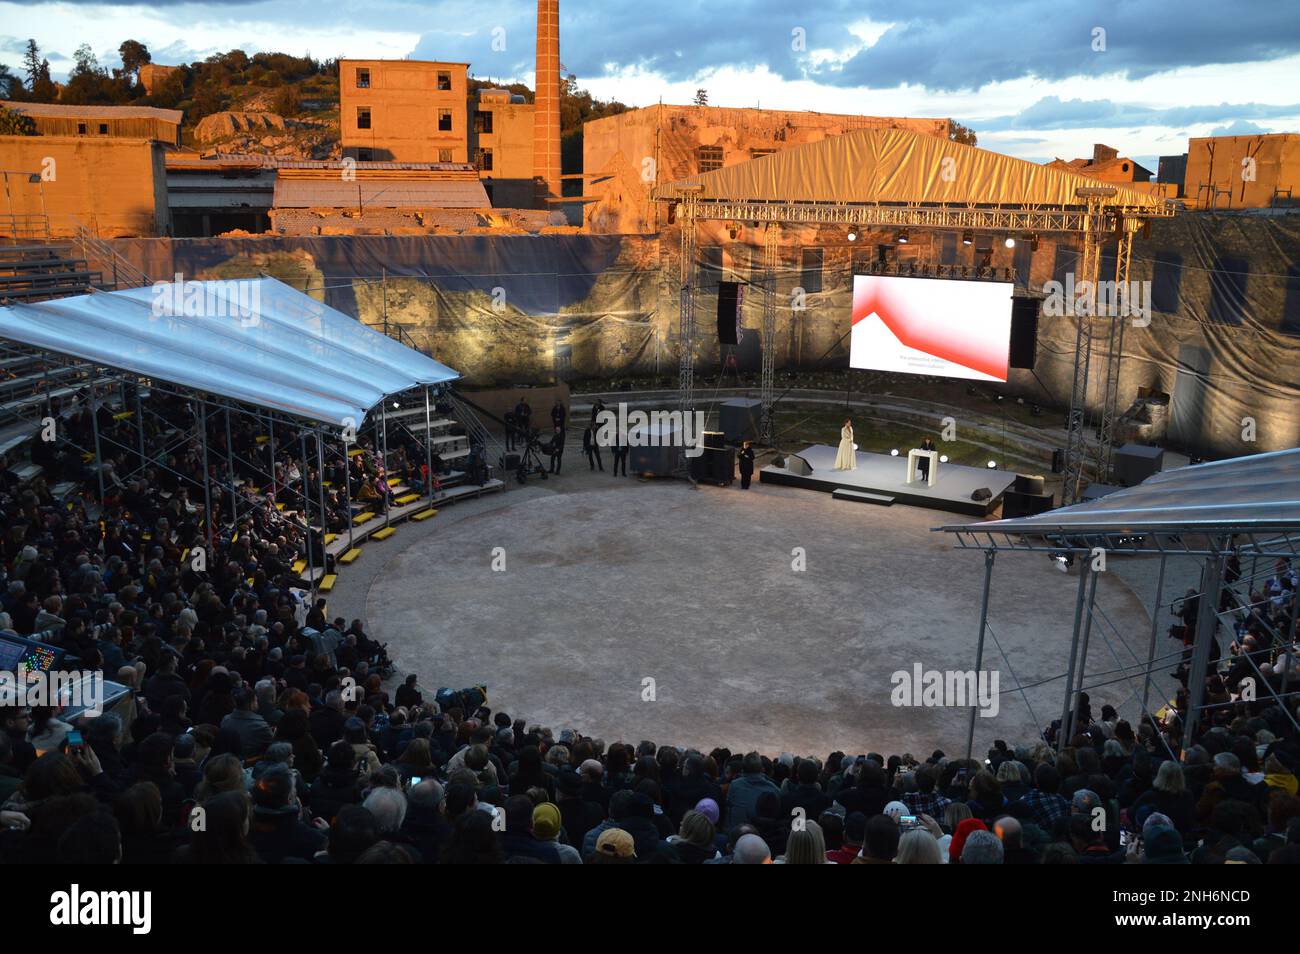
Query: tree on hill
x=40, y=88
x=89, y=83
x=962, y=134
x=134, y=55
x=16, y=124
x=286, y=101
x=701, y=97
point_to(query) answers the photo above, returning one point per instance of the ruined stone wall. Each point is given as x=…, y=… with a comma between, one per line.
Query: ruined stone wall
x=1223, y=336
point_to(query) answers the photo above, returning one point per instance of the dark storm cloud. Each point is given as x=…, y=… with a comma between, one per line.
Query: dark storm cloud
x=1051, y=112
x=937, y=44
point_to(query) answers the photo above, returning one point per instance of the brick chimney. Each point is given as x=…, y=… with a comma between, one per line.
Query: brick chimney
x=546, y=113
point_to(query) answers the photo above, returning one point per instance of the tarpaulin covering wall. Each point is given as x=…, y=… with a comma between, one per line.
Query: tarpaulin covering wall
x=498, y=308
x=1223, y=340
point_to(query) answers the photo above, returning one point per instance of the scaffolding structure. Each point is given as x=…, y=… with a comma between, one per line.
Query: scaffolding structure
x=1181, y=513
x=1095, y=219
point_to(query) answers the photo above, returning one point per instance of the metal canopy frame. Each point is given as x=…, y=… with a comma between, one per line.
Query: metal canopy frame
x=1092, y=218
x=1213, y=544
x=223, y=481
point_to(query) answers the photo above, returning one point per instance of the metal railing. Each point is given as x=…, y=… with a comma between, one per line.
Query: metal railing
x=123, y=273
x=17, y=229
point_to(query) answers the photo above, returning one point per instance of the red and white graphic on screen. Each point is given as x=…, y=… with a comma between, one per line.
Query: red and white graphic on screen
x=931, y=326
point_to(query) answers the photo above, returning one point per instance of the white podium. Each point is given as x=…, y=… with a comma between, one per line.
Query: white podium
x=914, y=455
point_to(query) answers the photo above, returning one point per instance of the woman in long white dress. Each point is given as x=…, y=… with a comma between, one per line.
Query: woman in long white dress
x=845, y=457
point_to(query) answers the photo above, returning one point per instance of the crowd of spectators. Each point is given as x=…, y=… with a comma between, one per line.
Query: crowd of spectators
x=258, y=728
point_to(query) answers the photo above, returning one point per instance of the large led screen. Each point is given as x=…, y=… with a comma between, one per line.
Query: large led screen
x=937, y=326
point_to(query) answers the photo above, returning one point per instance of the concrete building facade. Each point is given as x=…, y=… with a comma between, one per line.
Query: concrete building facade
x=501, y=146
x=115, y=187
x=1243, y=172
x=627, y=155
x=403, y=110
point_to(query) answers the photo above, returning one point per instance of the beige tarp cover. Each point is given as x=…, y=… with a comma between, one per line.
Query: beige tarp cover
x=894, y=166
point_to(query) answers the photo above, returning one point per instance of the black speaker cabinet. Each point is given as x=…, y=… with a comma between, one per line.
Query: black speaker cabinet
x=728, y=311
x=1028, y=484
x=1018, y=504
x=715, y=439
x=739, y=419
x=1024, y=332
x=1134, y=463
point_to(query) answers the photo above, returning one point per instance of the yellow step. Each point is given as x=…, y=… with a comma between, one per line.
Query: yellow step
x=362, y=518
x=331, y=537
x=299, y=565
x=350, y=555
x=262, y=438
x=123, y=415
x=327, y=582
x=407, y=499
x=424, y=514
x=394, y=481
x=383, y=534
x=355, y=451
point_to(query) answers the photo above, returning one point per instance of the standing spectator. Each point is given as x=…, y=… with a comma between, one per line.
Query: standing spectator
x=591, y=447
x=557, y=450
x=743, y=793
x=746, y=457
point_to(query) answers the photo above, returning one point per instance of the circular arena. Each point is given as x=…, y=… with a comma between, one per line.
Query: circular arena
x=768, y=620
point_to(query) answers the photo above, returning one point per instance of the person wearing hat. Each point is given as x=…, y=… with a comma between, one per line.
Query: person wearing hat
x=547, y=827
x=1160, y=845
x=614, y=847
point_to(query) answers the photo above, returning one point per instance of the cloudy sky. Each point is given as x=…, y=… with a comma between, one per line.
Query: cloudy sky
x=1034, y=78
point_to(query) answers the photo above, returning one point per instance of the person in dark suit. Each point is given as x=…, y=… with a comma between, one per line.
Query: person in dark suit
x=511, y=430
x=558, y=414
x=923, y=463
x=591, y=447
x=523, y=419
x=619, y=452
x=557, y=449
x=746, y=456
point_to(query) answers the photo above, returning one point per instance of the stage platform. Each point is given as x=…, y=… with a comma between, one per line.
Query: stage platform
x=883, y=474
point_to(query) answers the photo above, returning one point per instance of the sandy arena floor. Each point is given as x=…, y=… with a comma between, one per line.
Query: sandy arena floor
x=610, y=583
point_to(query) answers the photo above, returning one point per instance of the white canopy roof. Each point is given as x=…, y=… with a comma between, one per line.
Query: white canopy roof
x=1259, y=492
x=254, y=340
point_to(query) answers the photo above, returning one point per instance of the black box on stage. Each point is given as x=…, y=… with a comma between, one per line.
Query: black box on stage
x=1134, y=463
x=715, y=465
x=1017, y=504
x=510, y=462
x=739, y=419
x=1028, y=484
x=715, y=439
